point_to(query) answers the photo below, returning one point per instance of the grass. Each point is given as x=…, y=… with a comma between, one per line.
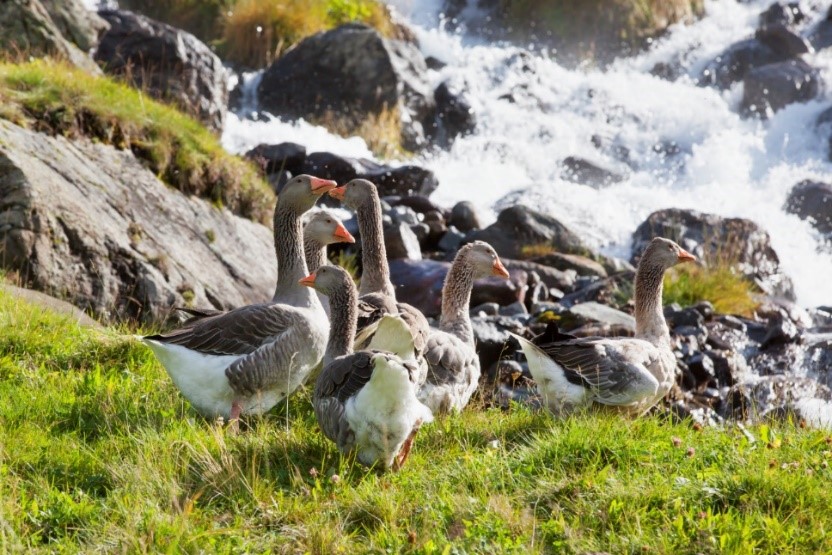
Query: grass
x=255, y=32
x=99, y=452
x=728, y=291
x=382, y=132
x=55, y=98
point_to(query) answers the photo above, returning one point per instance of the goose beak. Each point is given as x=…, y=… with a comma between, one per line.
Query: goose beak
x=499, y=270
x=308, y=281
x=685, y=256
x=321, y=186
x=343, y=235
x=338, y=192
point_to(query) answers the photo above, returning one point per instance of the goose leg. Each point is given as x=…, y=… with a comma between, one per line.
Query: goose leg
x=401, y=458
x=234, y=419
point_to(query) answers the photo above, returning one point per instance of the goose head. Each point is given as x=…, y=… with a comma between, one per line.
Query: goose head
x=483, y=260
x=324, y=228
x=328, y=280
x=302, y=192
x=664, y=253
x=355, y=194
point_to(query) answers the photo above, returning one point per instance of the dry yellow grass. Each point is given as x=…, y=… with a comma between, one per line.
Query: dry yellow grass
x=382, y=132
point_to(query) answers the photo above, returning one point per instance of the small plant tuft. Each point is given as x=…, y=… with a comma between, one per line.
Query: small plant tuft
x=728, y=291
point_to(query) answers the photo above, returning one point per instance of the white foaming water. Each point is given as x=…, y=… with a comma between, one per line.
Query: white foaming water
x=532, y=113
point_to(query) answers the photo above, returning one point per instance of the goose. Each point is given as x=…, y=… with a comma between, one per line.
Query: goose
x=629, y=375
x=376, y=293
x=453, y=364
x=365, y=401
x=246, y=360
x=322, y=228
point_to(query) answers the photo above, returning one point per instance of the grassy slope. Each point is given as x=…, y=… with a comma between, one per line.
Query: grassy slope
x=98, y=451
x=56, y=98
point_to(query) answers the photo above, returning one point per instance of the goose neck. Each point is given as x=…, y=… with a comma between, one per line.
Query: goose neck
x=343, y=323
x=375, y=277
x=650, y=322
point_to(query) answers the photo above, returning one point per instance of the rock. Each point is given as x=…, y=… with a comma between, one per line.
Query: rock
x=519, y=226
x=419, y=282
x=782, y=40
x=492, y=338
x=464, y=217
x=27, y=27
x=596, y=313
x=737, y=61
x=451, y=240
x=351, y=71
x=454, y=114
x=50, y=303
x=91, y=224
x=701, y=367
x=677, y=317
x=403, y=214
x=485, y=309
x=514, y=310
x=711, y=237
x=821, y=36
x=582, y=265
x=589, y=173
x=782, y=13
x=780, y=330
x=552, y=277
x=330, y=166
x=278, y=158
x=812, y=200
x=418, y=203
x=166, y=62
x=779, y=396
x=401, y=242
x=770, y=88
x=76, y=23
x=610, y=291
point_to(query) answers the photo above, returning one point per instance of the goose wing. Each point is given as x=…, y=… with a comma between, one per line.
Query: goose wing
x=339, y=380
x=237, y=332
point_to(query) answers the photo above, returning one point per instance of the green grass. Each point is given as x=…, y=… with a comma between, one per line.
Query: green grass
x=728, y=291
x=98, y=452
x=56, y=98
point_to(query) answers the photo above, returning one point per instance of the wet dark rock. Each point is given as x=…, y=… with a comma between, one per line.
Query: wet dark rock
x=464, y=217
x=821, y=36
x=401, y=242
x=666, y=71
x=596, y=313
x=701, y=366
x=514, y=310
x=403, y=215
x=166, y=62
x=782, y=13
x=419, y=282
x=780, y=396
x=421, y=231
x=582, y=265
x=351, y=71
x=770, y=88
x=327, y=165
x=552, y=277
x=812, y=200
x=492, y=338
x=278, y=158
x=610, y=291
x=519, y=226
x=454, y=115
x=712, y=237
x=451, y=240
x=418, y=203
x=589, y=173
x=677, y=316
x=737, y=61
x=485, y=309
x=783, y=41
x=780, y=330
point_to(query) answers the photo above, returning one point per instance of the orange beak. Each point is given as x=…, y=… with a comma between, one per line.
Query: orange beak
x=338, y=192
x=343, y=235
x=308, y=281
x=499, y=270
x=685, y=256
x=321, y=186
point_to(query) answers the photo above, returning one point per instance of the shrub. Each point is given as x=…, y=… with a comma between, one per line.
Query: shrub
x=56, y=98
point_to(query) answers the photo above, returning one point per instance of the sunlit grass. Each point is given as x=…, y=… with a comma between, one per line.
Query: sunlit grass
x=56, y=98
x=99, y=452
x=727, y=290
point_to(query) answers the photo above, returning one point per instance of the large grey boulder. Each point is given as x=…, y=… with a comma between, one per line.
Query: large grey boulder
x=167, y=62
x=812, y=200
x=770, y=88
x=352, y=72
x=27, y=27
x=77, y=24
x=89, y=224
x=712, y=238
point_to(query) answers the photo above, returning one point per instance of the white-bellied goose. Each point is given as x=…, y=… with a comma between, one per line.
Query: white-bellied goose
x=322, y=228
x=246, y=360
x=377, y=296
x=453, y=364
x=365, y=401
x=628, y=374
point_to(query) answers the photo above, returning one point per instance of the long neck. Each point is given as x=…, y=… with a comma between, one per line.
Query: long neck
x=291, y=266
x=343, y=323
x=375, y=277
x=456, y=296
x=650, y=322
x=314, y=253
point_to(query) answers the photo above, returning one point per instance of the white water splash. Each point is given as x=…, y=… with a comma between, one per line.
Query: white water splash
x=532, y=113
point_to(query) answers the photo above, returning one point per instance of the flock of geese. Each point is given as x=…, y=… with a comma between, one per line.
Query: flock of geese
x=380, y=369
